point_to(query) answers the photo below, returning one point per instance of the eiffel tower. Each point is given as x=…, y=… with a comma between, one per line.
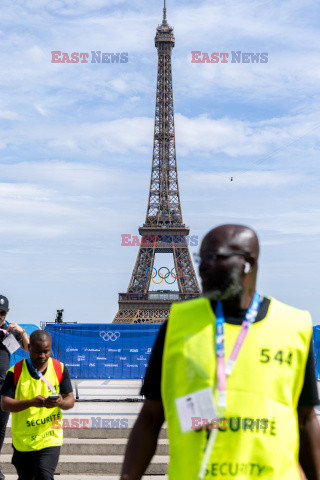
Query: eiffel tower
x=163, y=230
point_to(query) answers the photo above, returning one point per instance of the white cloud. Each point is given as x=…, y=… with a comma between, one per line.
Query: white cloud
x=118, y=136
x=8, y=115
x=71, y=201
x=238, y=138
x=36, y=54
x=41, y=110
x=203, y=135
x=82, y=178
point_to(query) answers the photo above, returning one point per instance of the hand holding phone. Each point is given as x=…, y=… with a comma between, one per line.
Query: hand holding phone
x=54, y=397
x=53, y=401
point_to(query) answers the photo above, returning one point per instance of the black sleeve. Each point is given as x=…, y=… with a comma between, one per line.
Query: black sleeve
x=309, y=393
x=8, y=388
x=65, y=384
x=151, y=387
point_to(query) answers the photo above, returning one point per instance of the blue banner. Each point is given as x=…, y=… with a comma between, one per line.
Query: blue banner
x=95, y=350
x=110, y=350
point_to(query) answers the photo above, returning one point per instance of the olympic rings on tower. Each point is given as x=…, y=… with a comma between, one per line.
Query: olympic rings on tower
x=163, y=277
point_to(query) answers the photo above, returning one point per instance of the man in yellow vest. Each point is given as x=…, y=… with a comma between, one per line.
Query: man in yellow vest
x=35, y=390
x=232, y=373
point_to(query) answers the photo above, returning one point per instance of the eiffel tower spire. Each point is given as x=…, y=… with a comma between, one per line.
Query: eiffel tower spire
x=163, y=230
x=164, y=21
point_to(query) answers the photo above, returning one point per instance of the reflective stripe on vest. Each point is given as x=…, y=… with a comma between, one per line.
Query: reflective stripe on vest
x=259, y=437
x=36, y=428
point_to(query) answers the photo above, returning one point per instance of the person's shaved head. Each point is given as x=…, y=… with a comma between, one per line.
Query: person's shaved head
x=40, y=336
x=236, y=237
x=229, y=260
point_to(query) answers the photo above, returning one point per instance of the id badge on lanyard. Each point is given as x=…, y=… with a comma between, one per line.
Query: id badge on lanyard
x=224, y=370
x=10, y=341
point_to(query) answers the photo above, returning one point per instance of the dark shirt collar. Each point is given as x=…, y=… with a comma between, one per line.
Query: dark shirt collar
x=236, y=316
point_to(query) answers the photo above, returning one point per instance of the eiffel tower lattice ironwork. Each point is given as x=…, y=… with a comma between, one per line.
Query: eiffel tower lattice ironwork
x=163, y=230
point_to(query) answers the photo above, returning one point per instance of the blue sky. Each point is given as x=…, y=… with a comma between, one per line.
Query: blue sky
x=76, y=144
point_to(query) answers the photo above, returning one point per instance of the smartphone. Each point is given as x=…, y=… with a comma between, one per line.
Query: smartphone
x=53, y=397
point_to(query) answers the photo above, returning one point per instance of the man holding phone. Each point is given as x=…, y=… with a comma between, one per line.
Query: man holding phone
x=35, y=390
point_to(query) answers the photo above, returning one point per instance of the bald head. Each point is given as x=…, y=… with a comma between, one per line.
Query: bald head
x=40, y=336
x=232, y=237
x=229, y=262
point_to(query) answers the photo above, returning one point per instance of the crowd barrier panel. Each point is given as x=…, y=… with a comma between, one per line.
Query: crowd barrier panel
x=103, y=351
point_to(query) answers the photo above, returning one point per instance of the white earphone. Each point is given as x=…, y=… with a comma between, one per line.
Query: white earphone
x=247, y=267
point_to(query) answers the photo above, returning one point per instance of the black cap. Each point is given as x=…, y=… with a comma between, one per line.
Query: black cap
x=4, y=303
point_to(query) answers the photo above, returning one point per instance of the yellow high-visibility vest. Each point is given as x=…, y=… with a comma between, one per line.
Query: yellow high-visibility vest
x=259, y=437
x=36, y=428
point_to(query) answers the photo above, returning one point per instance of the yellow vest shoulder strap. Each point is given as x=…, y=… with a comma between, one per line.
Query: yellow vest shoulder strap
x=58, y=368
